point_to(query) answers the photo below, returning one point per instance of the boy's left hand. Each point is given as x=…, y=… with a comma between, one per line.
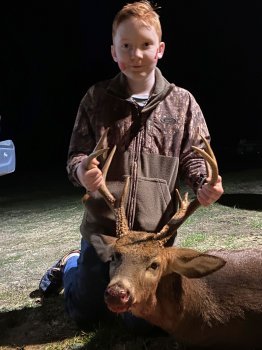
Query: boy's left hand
x=209, y=194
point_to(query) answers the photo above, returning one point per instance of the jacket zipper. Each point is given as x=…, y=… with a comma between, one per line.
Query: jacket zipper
x=134, y=174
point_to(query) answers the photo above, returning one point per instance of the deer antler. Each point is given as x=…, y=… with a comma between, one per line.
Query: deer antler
x=120, y=213
x=116, y=206
x=210, y=160
x=98, y=150
x=187, y=208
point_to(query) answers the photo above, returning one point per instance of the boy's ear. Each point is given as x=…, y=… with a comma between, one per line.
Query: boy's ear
x=113, y=53
x=161, y=49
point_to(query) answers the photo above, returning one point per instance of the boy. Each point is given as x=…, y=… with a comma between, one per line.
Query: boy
x=153, y=124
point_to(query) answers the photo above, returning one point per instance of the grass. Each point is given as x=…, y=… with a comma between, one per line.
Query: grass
x=193, y=239
x=256, y=223
x=40, y=221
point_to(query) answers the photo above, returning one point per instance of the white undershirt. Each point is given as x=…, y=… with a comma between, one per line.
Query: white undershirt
x=141, y=100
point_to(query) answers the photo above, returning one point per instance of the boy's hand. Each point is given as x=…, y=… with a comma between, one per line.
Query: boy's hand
x=90, y=179
x=209, y=194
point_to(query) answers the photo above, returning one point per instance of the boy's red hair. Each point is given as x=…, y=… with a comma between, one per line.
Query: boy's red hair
x=142, y=10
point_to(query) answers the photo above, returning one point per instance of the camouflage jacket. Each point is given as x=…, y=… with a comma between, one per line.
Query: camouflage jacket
x=153, y=148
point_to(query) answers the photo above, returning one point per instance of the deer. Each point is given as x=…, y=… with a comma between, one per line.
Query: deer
x=209, y=299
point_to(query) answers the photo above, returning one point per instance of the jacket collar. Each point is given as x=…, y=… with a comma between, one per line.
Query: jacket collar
x=118, y=87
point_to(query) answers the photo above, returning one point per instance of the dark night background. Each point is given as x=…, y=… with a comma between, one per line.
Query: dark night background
x=52, y=51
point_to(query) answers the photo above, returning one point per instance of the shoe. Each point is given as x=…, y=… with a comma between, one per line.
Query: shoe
x=52, y=281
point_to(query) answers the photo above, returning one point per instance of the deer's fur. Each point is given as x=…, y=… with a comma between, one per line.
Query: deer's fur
x=199, y=306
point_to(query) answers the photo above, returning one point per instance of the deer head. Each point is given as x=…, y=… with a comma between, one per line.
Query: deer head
x=140, y=259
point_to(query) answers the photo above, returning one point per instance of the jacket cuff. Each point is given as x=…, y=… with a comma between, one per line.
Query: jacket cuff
x=200, y=182
x=72, y=170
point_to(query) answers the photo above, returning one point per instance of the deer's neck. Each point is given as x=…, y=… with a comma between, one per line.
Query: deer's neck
x=184, y=305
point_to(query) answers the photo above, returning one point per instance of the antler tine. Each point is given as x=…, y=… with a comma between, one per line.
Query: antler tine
x=210, y=159
x=109, y=198
x=180, y=216
x=99, y=144
x=187, y=208
x=98, y=150
x=122, y=228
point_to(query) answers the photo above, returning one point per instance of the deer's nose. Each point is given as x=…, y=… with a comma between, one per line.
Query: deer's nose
x=117, y=292
x=117, y=298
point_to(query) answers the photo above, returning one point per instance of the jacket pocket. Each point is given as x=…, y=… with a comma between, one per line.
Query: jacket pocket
x=154, y=204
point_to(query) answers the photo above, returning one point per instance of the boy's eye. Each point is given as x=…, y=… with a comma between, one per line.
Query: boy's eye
x=125, y=46
x=146, y=45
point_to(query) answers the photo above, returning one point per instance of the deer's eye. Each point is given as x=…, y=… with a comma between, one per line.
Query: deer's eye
x=154, y=265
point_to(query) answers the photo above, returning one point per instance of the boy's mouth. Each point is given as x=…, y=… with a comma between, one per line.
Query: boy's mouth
x=136, y=67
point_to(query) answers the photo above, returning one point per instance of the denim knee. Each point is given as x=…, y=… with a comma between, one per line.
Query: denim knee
x=84, y=286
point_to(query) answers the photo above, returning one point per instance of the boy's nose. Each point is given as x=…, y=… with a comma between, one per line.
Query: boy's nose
x=136, y=53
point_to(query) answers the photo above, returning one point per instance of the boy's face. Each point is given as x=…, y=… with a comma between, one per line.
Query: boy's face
x=136, y=48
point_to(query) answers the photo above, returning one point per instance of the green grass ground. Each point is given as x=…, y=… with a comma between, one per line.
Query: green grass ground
x=40, y=222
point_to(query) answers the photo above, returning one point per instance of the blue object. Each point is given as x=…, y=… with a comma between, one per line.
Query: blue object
x=7, y=157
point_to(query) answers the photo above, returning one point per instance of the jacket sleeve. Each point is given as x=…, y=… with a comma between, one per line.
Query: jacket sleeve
x=192, y=165
x=82, y=140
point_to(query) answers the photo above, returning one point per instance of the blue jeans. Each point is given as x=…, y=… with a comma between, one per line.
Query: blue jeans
x=85, y=280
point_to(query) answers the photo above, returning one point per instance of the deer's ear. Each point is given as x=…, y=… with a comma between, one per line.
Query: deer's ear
x=103, y=245
x=191, y=263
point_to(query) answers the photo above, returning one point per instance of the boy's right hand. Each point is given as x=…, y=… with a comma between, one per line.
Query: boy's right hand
x=90, y=179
